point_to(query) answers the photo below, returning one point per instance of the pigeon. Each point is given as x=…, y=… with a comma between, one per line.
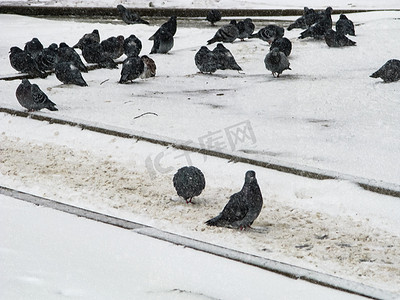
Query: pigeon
x=169, y=26
x=269, y=33
x=284, y=45
x=132, y=46
x=225, y=59
x=206, y=61
x=95, y=54
x=130, y=17
x=226, y=34
x=345, y=26
x=68, y=73
x=308, y=18
x=334, y=39
x=276, y=62
x=318, y=29
x=243, y=207
x=33, y=47
x=213, y=16
x=132, y=68
x=389, y=72
x=48, y=58
x=113, y=46
x=246, y=28
x=24, y=62
x=189, y=182
x=93, y=37
x=68, y=54
x=163, y=41
x=149, y=67
x=32, y=97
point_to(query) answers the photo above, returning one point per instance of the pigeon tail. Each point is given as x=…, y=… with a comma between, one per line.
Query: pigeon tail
x=215, y=221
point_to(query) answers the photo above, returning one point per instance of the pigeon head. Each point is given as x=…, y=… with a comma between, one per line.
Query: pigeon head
x=25, y=82
x=121, y=8
x=343, y=17
x=275, y=51
x=63, y=45
x=53, y=47
x=250, y=176
x=233, y=22
x=328, y=10
x=15, y=49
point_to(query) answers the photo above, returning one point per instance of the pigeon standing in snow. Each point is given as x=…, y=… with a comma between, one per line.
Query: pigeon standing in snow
x=68, y=54
x=269, y=33
x=226, y=34
x=48, y=58
x=132, y=68
x=246, y=28
x=389, y=72
x=243, y=207
x=213, y=16
x=24, y=62
x=206, y=61
x=33, y=47
x=276, y=62
x=94, y=53
x=149, y=67
x=189, y=182
x=169, y=26
x=93, y=37
x=132, y=46
x=284, y=45
x=32, y=97
x=68, y=73
x=308, y=18
x=113, y=46
x=130, y=17
x=163, y=42
x=225, y=59
x=319, y=29
x=345, y=26
x=335, y=39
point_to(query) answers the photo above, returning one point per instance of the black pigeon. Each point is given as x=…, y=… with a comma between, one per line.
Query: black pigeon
x=226, y=34
x=323, y=24
x=130, y=17
x=225, y=58
x=149, y=67
x=163, y=42
x=132, y=46
x=24, y=62
x=88, y=38
x=345, y=26
x=276, y=62
x=308, y=18
x=68, y=54
x=33, y=47
x=269, y=33
x=132, y=68
x=68, y=73
x=94, y=53
x=32, y=97
x=206, y=61
x=284, y=45
x=389, y=72
x=243, y=207
x=335, y=39
x=113, y=46
x=246, y=28
x=48, y=58
x=189, y=182
x=169, y=26
x=213, y=16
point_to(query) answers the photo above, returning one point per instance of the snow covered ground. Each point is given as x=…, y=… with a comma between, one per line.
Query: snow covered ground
x=325, y=113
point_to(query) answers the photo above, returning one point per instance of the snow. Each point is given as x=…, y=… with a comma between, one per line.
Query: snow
x=325, y=113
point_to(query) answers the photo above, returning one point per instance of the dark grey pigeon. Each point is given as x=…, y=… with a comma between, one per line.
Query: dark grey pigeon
x=389, y=72
x=130, y=17
x=189, y=182
x=269, y=33
x=24, y=62
x=246, y=28
x=213, y=16
x=206, y=61
x=94, y=53
x=169, y=26
x=334, y=39
x=32, y=97
x=68, y=54
x=243, y=207
x=68, y=73
x=163, y=42
x=284, y=45
x=323, y=24
x=345, y=26
x=93, y=37
x=113, y=46
x=48, y=58
x=132, y=46
x=225, y=58
x=33, y=47
x=132, y=68
x=308, y=18
x=226, y=34
x=276, y=62
x=149, y=67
